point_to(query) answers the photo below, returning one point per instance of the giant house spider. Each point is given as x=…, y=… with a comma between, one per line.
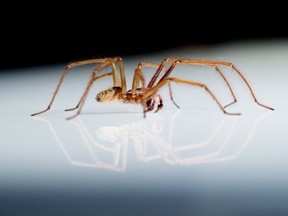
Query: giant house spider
x=146, y=95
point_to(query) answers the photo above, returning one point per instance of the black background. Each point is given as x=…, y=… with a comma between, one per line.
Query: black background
x=48, y=34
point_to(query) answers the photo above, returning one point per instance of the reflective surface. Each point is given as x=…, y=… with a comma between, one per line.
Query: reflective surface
x=111, y=161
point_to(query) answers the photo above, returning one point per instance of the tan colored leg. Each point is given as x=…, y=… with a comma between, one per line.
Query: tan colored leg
x=136, y=79
x=163, y=82
x=196, y=62
x=158, y=71
x=171, y=96
x=96, y=78
x=138, y=76
x=69, y=66
x=228, y=64
x=92, y=79
x=205, y=63
x=250, y=89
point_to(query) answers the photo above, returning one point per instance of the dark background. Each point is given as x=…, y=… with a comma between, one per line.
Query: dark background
x=45, y=35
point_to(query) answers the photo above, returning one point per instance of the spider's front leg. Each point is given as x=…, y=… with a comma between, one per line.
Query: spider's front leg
x=172, y=79
x=213, y=64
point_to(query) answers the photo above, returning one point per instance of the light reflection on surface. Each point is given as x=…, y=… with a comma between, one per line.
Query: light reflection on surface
x=90, y=143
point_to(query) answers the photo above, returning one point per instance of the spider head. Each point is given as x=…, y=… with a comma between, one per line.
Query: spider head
x=110, y=95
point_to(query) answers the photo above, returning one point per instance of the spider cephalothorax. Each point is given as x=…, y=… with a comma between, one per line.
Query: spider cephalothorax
x=147, y=95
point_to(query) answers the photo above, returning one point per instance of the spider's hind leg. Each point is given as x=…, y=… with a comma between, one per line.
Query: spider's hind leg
x=94, y=79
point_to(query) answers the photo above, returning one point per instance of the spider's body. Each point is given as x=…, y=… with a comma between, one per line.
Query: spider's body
x=146, y=95
x=114, y=94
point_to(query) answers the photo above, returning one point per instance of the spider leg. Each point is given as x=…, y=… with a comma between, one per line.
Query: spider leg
x=171, y=96
x=93, y=78
x=195, y=62
x=210, y=64
x=158, y=71
x=74, y=64
x=167, y=73
x=122, y=76
x=229, y=86
x=138, y=75
x=228, y=64
x=69, y=66
x=167, y=80
x=96, y=78
x=250, y=89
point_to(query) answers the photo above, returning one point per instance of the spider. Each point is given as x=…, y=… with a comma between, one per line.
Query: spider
x=145, y=95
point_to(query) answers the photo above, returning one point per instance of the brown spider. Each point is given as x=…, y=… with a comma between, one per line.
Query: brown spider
x=145, y=95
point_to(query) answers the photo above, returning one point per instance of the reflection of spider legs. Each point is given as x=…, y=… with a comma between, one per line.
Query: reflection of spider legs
x=216, y=156
x=167, y=80
x=118, y=152
x=213, y=64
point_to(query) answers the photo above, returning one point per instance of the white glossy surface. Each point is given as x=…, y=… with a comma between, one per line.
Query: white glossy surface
x=111, y=161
